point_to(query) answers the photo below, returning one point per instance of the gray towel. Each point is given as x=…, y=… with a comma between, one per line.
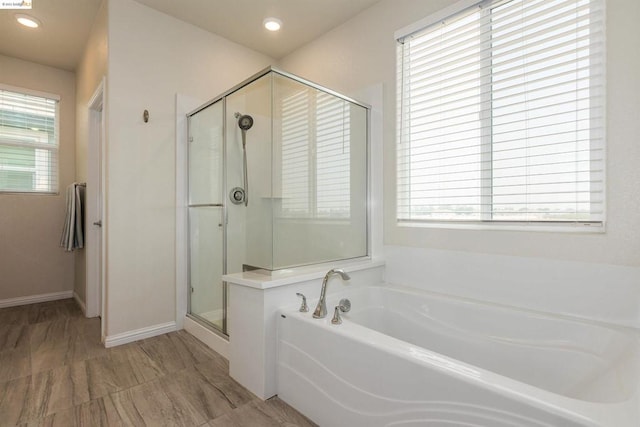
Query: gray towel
x=72, y=231
x=78, y=241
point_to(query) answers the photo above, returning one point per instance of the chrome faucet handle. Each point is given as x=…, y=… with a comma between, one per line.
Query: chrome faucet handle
x=337, y=320
x=343, y=306
x=304, y=307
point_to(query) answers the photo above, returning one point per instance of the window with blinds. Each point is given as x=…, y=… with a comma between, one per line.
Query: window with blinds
x=28, y=143
x=501, y=115
x=316, y=177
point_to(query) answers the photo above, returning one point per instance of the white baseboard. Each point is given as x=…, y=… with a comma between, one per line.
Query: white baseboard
x=209, y=338
x=80, y=303
x=139, y=334
x=32, y=299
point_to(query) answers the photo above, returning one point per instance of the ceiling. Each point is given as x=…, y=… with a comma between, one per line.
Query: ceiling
x=241, y=20
x=60, y=40
x=66, y=24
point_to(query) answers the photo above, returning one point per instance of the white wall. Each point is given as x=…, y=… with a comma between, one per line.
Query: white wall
x=31, y=261
x=151, y=58
x=361, y=53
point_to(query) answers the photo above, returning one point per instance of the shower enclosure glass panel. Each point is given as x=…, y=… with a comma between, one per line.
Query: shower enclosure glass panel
x=249, y=230
x=319, y=175
x=277, y=179
x=307, y=176
x=206, y=216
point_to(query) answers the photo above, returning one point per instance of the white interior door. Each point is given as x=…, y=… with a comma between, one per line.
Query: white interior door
x=95, y=206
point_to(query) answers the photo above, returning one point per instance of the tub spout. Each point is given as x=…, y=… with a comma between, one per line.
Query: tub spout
x=321, y=309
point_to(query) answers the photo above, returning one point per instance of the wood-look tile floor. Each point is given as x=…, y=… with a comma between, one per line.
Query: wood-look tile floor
x=54, y=371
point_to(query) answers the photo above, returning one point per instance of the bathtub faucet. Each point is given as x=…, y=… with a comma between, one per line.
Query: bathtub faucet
x=321, y=309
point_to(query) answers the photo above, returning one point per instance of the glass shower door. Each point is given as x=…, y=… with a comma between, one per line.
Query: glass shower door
x=207, y=296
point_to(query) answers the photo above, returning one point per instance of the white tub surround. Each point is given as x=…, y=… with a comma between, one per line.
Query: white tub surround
x=405, y=356
x=254, y=301
x=602, y=292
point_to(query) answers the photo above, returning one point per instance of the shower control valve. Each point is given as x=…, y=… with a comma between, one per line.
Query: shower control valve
x=304, y=307
x=237, y=195
x=344, y=305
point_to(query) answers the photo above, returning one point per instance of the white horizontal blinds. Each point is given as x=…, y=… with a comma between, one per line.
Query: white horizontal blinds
x=441, y=131
x=316, y=178
x=295, y=155
x=547, y=111
x=333, y=159
x=28, y=143
x=502, y=115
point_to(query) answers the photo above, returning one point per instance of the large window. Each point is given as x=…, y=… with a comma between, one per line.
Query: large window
x=501, y=115
x=28, y=142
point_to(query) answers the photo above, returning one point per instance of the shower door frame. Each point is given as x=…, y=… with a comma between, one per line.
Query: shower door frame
x=223, y=332
x=223, y=97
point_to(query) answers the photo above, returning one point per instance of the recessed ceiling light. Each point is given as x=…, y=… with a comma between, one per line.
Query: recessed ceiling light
x=272, y=24
x=27, y=21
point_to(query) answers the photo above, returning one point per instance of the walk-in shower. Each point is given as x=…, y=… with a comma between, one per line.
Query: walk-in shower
x=277, y=179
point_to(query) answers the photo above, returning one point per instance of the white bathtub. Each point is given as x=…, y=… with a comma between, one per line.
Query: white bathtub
x=410, y=358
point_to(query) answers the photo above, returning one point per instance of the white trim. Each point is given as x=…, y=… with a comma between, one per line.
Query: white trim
x=139, y=334
x=96, y=99
x=79, y=301
x=374, y=96
x=435, y=17
x=550, y=227
x=31, y=92
x=32, y=299
x=96, y=250
x=208, y=337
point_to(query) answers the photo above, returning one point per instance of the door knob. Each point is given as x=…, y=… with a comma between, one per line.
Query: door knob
x=98, y=223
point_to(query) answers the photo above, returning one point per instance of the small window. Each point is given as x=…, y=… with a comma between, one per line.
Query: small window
x=501, y=115
x=28, y=143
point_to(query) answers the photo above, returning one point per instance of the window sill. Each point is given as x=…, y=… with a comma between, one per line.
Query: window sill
x=579, y=228
x=29, y=193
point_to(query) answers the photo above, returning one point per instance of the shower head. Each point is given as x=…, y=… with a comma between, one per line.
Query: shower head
x=245, y=122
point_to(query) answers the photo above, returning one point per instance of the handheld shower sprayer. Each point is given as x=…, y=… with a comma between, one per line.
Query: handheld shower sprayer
x=245, y=122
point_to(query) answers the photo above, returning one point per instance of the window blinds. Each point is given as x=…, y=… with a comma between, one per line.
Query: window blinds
x=28, y=143
x=295, y=155
x=333, y=170
x=501, y=115
x=316, y=177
